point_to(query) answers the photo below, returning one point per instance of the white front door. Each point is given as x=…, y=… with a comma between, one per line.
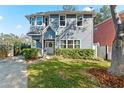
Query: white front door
x=49, y=45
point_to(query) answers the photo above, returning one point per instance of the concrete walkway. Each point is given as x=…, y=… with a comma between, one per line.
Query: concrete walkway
x=13, y=73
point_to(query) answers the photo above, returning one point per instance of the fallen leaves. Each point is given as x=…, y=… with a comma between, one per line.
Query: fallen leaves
x=107, y=79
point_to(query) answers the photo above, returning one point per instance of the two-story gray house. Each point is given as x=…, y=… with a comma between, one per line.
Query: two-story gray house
x=62, y=29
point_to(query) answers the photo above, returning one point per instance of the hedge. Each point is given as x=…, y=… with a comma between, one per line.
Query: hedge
x=18, y=47
x=30, y=53
x=76, y=53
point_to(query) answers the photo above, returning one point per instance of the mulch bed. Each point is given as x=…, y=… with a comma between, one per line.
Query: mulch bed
x=106, y=79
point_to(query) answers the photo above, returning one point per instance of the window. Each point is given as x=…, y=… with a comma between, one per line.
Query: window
x=32, y=21
x=70, y=15
x=76, y=43
x=62, y=20
x=39, y=20
x=70, y=43
x=46, y=21
x=79, y=20
x=63, y=43
x=87, y=15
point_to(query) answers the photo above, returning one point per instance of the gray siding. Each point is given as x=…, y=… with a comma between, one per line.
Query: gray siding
x=54, y=21
x=36, y=37
x=38, y=44
x=50, y=34
x=71, y=31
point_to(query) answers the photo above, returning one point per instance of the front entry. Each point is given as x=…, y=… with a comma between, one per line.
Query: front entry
x=50, y=47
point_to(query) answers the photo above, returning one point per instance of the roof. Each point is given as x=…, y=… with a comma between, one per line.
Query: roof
x=36, y=32
x=122, y=12
x=60, y=12
x=33, y=33
x=104, y=34
x=103, y=21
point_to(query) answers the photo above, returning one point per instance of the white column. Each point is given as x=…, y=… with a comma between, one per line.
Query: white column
x=73, y=44
x=35, y=21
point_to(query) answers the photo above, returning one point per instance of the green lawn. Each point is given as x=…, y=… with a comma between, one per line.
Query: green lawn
x=64, y=73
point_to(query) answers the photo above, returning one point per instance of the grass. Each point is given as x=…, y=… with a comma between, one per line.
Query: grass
x=64, y=73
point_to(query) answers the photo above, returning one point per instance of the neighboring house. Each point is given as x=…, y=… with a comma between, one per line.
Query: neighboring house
x=62, y=29
x=104, y=33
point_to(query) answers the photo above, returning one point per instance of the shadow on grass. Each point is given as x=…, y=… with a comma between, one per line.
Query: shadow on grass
x=51, y=74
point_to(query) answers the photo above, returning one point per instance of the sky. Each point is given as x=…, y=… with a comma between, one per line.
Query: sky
x=12, y=17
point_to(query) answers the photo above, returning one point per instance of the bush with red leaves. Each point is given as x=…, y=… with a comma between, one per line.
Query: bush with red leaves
x=106, y=79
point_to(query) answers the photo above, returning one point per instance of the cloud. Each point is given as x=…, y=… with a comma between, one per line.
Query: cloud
x=18, y=26
x=88, y=9
x=1, y=17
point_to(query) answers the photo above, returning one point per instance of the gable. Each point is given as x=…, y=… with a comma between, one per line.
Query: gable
x=104, y=33
x=49, y=34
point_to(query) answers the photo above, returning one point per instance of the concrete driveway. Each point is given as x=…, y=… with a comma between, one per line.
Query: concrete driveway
x=13, y=73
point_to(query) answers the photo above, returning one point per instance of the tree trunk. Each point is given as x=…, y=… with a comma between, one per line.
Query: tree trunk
x=117, y=65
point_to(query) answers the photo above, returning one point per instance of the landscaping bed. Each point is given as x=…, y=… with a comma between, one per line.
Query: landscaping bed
x=106, y=79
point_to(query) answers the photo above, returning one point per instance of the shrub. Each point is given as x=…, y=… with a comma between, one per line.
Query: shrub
x=76, y=53
x=4, y=50
x=30, y=53
x=18, y=47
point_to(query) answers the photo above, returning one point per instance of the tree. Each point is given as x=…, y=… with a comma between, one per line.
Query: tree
x=69, y=7
x=117, y=65
x=7, y=41
x=98, y=18
x=25, y=39
x=9, y=38
x=105, y=12
x=102, y=14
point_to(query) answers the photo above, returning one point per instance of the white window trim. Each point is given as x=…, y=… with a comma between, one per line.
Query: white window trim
x=61, y=44
x=73, y=43
x=77, y=21
x=70, y=44
x=65, y=20
x=36, y=21
x=79, y=44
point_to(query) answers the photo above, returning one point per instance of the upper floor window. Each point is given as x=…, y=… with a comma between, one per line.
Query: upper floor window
x=39, y=20
x=79, y=20
x=46, y=20
x=87, y=15
x=32, y=21
x=62, y=20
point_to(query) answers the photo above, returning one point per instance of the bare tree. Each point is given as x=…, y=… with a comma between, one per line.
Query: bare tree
x=117, y=66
